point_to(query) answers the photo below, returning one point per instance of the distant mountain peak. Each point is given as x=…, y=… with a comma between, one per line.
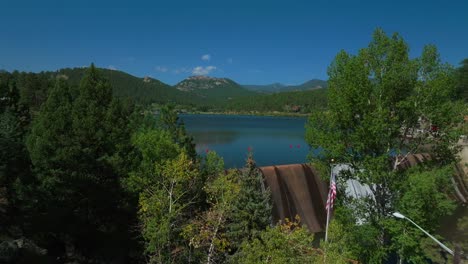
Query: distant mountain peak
x=279, y=87
x=212, y=88
x=202, y=82
x=201, y=77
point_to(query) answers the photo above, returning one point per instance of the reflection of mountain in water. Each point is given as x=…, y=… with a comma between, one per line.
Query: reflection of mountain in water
x=273, y=140
x=213, y=137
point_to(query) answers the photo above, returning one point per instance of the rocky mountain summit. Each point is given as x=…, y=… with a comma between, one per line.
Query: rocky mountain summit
x=202, y=82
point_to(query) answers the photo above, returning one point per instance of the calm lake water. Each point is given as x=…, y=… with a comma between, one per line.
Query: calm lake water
x=273, y=140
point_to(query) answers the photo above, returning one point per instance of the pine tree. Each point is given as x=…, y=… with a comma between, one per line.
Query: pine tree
x=252, y=209
x=51, y=132
x=169, y=120
x=15, y=175
x=76, y=146
x=49, y=145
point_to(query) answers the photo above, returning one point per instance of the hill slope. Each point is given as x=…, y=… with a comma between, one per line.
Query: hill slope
x=278, y=87
x=309, y=85
x=199, y=93
x=143, y=90
x=268, y=88
x=295, y=101
x=213, y=89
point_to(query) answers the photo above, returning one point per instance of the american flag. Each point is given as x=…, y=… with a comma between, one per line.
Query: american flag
x=331, y=193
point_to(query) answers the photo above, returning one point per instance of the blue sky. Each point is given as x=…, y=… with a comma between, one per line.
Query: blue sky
x=252, y=42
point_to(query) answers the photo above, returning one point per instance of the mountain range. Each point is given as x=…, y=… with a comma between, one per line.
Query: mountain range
x=210, y=88
x=195, y=93
x=279, y=87
x=196, y=90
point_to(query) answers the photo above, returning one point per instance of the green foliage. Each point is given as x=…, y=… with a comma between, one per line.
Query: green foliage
x=462, y=81
x=51, y=131
x=425, y=195
x=165, y=206
x=338, y=247
x=213, y=166
x=155, y=147
x=15, y=174
x=169, y=121
x=284, y=243
x=169, y=186
x=75, y=144
x=33, y=88
x=425, y=201
x=362, y=242
x=278, y=87
x=208, y=231
x=142, y=90
x=306, y=101
x=251, y=212
x=229, y=96
x=462, y=230
x=381, y=106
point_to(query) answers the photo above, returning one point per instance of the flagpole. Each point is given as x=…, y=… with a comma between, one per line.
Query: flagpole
x=328, y=207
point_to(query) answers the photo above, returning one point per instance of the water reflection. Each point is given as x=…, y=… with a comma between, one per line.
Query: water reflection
x=273, y=140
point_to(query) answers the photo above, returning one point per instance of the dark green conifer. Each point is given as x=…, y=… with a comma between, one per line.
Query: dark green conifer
x=252, y=209
x=76, y=147
x=169, y=120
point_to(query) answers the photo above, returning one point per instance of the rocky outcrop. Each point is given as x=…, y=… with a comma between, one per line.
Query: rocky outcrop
x=201, y=82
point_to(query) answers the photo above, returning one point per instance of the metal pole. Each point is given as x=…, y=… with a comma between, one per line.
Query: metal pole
x=399, y=215
x=433, y=238
x=328, y=220
x=328, y=209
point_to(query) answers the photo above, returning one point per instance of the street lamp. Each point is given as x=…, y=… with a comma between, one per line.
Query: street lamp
x=398, y=215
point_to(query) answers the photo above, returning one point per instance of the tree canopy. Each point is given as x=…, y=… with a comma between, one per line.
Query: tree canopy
x=384, y=106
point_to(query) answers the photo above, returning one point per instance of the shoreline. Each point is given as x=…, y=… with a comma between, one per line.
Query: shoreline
x=270, y=114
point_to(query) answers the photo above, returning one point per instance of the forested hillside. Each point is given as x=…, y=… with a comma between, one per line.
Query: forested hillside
x=309, y=85
x=298, y=102
x=266, y=88
x=279, y=87
x=197, y=93
x=142, y=90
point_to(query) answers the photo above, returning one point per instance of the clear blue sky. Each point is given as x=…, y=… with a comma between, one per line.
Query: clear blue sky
x=252, y=42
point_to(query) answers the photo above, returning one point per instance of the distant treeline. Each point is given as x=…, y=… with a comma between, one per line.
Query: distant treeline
x=300, y=102
x=33, y=90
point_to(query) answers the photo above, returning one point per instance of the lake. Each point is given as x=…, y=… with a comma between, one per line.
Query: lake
x=273, y=140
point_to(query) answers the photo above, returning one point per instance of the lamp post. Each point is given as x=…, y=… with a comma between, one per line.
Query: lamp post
x=398, y=215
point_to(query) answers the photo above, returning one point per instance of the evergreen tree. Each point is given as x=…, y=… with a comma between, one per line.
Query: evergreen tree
x=169, y=120
x=51, y=133
x=251, y=211
x=75, y=146
x=15, y=174
x=33, y=88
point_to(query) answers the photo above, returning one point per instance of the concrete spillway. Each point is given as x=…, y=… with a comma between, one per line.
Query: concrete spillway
x=297, y=189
